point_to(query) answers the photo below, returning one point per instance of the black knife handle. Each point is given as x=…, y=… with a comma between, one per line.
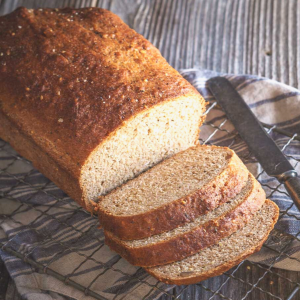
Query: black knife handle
x=292, y=185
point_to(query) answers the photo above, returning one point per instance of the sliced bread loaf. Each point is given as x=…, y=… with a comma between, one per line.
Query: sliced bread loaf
x=188, y=239
x=219, y=258
x=95, y=104
x=178, y=190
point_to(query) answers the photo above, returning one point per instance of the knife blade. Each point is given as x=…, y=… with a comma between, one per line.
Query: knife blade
x=258, y=140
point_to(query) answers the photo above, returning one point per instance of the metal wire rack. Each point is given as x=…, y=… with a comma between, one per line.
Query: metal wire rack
x=216, y=288
x=251, y=280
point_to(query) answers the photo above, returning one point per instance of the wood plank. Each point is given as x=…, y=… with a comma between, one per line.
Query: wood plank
x=247, y=36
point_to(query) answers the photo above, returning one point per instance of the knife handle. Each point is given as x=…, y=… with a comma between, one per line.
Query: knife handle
x=292, y=185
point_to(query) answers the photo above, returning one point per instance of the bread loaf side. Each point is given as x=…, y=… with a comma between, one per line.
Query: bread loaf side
x=88, y=100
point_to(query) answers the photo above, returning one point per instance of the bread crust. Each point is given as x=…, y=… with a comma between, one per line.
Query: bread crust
x=70, y=78
x=167, y=217
x=40, y=159
x=222, y=268
x=191, y=242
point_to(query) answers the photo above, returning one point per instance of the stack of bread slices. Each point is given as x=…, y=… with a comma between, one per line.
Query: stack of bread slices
x=191, y=217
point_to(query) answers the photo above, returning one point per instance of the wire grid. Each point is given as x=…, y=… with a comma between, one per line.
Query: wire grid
x=217, y=288
x=254, y=288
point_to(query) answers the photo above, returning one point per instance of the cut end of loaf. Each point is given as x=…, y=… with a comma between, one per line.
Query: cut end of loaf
x=228, y=252
x=142, y=142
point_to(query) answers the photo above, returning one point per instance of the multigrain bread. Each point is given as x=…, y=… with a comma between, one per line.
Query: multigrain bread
x=192, y=237
x=178, y=190
x=88, y=100
x=219, y=258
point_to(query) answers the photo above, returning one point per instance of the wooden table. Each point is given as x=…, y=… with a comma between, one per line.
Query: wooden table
x=259, y=37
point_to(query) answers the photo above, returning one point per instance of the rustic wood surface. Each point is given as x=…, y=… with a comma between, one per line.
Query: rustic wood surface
x=232, y=36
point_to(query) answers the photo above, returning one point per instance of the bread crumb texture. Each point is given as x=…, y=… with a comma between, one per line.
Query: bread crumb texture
x=171, y=180
x=227, y=250
x=249, y=192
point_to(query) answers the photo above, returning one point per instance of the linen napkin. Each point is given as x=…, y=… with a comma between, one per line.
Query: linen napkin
x=40, y=221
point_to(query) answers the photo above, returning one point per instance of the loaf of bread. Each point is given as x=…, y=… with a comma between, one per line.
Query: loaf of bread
x=192, y=237
x=88, y=100
x=174, y=192
x=93, y=104
x=225, y=254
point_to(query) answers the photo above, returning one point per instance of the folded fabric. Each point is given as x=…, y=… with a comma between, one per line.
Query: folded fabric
x=41, y=222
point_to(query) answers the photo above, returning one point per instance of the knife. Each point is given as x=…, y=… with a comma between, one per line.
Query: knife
x=258, y=140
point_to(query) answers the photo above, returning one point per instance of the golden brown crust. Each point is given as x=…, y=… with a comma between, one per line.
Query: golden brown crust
x=165, y=218
x=222, y=268
x=78, y=75
x=41, y=160
x=191, y=242
x=70, y=78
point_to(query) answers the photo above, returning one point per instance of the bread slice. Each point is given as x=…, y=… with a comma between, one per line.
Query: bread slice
x=219, y=258
x=96, y=103
x=178, y=190
x=188, y=239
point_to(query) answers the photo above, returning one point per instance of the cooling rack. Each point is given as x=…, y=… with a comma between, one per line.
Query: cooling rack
x=20, y=186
